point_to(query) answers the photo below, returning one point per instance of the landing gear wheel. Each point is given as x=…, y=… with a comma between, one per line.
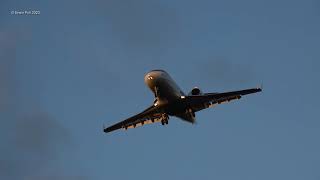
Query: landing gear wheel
x=164, y=119
x=162, y=122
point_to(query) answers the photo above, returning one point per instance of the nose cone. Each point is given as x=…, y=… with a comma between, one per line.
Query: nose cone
x=152, y=78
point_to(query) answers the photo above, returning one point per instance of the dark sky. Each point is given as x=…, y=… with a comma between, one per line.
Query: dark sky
x=80, y=64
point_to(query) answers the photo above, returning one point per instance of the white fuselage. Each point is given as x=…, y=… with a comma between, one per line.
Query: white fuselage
x=163, y=86
x=168, y=95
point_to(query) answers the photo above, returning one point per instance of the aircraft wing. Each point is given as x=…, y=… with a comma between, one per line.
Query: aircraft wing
x=148, y=116
x=199, y=102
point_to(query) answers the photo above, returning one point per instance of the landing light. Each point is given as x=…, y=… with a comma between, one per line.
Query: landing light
x=182, y=97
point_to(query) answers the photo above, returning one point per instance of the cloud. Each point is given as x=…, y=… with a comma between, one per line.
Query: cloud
x=32, y=140
x=58, y=177
x=7, y=61
x=221, y=71
x=140, y=24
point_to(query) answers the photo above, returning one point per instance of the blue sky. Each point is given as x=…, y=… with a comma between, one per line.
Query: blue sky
x=80, y=64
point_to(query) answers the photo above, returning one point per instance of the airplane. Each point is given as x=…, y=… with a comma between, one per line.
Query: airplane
x=170, y=100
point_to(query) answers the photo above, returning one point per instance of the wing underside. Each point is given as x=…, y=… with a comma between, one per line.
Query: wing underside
x=150, y=115
x=195, y=102
x=199, y=102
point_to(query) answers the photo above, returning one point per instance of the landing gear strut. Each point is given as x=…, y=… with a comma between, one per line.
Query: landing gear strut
x=156, y=92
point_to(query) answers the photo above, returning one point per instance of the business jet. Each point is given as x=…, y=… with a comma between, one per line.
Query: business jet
x=170, y=100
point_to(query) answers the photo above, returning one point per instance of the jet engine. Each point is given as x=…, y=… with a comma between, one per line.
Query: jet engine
x=195, y=91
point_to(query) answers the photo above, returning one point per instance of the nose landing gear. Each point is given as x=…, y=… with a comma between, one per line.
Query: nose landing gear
x=156, y=92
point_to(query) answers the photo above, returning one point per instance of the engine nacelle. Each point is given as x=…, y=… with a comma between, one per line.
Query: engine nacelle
x=195, y=91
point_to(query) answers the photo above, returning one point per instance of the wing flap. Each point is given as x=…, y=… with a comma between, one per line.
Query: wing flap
x=142, y=123
x=148, y=116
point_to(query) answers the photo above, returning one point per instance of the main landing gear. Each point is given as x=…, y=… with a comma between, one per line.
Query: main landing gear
x=165, y=119
x=164, y=122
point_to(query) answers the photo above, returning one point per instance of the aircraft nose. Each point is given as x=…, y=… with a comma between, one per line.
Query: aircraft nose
x=151, y=78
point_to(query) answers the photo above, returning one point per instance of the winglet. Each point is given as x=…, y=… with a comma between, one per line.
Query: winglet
x=260, y=86
x=104, y=128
